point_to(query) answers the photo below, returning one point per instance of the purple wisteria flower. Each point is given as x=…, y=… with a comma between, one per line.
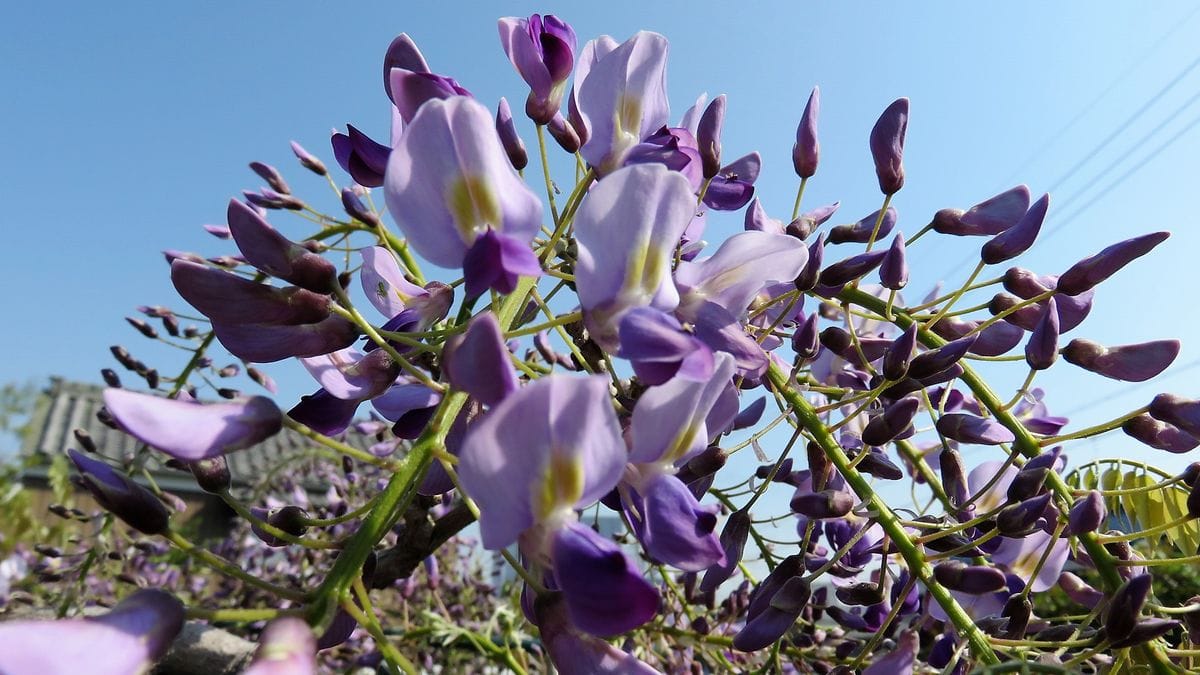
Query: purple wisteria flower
x=542, y=49
x=549, y=448
x=622, y=97
x=454, y=194
x=190, y=431
x=627, y=230
x=128, y=639
x=287, y=646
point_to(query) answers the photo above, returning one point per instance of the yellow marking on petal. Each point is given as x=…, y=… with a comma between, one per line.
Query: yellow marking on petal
x=682, y=442
x=473, y=206
x=644, y=272
x=561, y=485
x=629, y=115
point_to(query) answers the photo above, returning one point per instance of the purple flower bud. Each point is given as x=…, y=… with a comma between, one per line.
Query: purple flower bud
x=860, y=232
x=477, y=362
x=120, y=496
x=1024, y=283
x=565, y=134
x=893, y=271
x=877, y=464
x=1087, y=513
x=863, y=593
x=899, y=660
x=1159, y=435
x=969, y=579
x=358, y=210
x=1018, y=610
x=290, y=519
x=212, y=474
x=927, y=364
x=887, y=146
x=1017, y=239
x=894, y=423
x=899, y=354
x=776, y=617
x=268, y=250
x=285, y=647
x=1026, y=317
x=989, y=217
x=1129, y=363
x=966, y=428
x=509, y=138
x=402, y=53
x=1027, y=483
x=1145, y=631
x=308, y=160
x=1021, y=518
x=1079, y=591
x=1087, y=273
x=542, y=49
x=854, y=267
x=954, y=477
x=272, y=176
x=708, y=136
x=807, y=279
x=190, y=431
x=1042, y=349
x=362, y=158
x=1125, y=606
x=1181, y=412
x=733, y=541
x=807, y=150
x=823, y=504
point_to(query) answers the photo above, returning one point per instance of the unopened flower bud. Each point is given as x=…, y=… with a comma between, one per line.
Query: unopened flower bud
x=895, y=421
x=854, y=267
x=1027, y=483
x=887, y=146
x=1159, y=435
x=1087, y=513
x=514, y=147
x=564, y=133
x=1087, y=273
x=862, y=593
x=966, y=428
x=1019, y=519
x=272, y=176
x=860, y=232
x=142, y=327
x=823, y=504
x=212, y=474
x=308, y=160
x=1177, y=410
x=1042, y=349
x=970, y=579
x=937, y=360
x=877, y=464
x=120, y=496
x=1145, y=631
x=1129, y=363
x=1125, y=607
x=1018, y=610
x=807, y=150
x=893, y=271
x=899, y=354
x=290, y=519
x=708, y=136
x=357, y=209
x=733, y=542
x=1018, y=238
x=807, y=279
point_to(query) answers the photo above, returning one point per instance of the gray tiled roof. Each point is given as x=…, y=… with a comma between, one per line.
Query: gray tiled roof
x=67, y=406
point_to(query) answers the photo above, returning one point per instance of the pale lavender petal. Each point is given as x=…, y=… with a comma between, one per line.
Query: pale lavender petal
x=351, y=375
x=286, y=646
x=734, y=275
x=623, y=99
x=669, y=421
x=384, y=284
x=672, y=525
x=190, y=431
x=228, y=298
x=266, y=343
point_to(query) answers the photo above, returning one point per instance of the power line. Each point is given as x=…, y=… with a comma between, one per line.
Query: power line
x=1044, y=147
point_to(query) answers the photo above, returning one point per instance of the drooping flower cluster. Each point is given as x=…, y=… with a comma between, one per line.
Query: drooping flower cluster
x=628, y=399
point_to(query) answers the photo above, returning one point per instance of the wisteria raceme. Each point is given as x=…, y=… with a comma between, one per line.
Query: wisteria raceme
x=593, y=393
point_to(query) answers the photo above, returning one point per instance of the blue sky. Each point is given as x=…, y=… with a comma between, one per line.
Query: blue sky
x=129, y=125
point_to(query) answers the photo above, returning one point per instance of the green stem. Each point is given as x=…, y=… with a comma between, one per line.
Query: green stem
x=1095, y=430
x=229, y=569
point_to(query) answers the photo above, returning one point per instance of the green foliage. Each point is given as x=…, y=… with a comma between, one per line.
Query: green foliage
x=1140, y=505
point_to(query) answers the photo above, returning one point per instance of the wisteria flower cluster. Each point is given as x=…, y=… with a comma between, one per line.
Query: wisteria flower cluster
x=593, y=357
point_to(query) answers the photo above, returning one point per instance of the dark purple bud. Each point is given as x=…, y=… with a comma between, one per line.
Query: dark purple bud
x=895, y=421
x=823, y=504
x=708, y=136
x=887, y=146
x=271, y=252
x=818, y=465
x=85, y=440
x=807, y=280
x=1159, y=435
x=358, y=210
x=807, y=150
x=1042, y=349
x=1129, y=363
x=988, y=217
x=877, y=464
x=860, y=232
x=1190, y=474
x=733, y=541
x=308, y=160
x=212, y=474
x=1079, y=591
x=1087, y=513
x=1027, y=483
x=899, y=354
x=120, y=496
x=1026, y=317
x=142, y=327
x=1125, y=606
x=854, y=267
x=862, y=593
x=1021, y=518
x=1018, y=238
x=1023, y=283
x=110, y=377
x=1145, y=631
x=1087, y=273
x=360, y=156
x=954, y=477
x=934, y=361
x=272, y=176
x=970, y=579
x=564, y=133
x=1181, y=412
x=290, y=519
x=778, y=615
x=514, y=147
x=893, y=271
x=1018, y=610
x=750, y=415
